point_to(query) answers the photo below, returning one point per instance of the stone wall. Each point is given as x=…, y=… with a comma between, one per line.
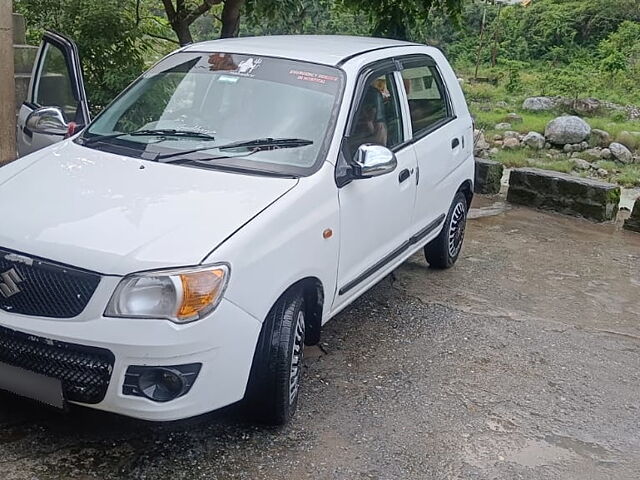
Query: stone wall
x=488, y=176
x=564, y=193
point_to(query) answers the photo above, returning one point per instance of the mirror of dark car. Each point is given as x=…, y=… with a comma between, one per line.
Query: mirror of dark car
x=372, y=161
x=48, y=121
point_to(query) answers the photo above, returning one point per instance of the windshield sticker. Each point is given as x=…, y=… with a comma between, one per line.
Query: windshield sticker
x=245, y=68
x=313, y=77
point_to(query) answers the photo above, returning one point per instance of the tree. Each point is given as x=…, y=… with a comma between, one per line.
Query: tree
x=112, y=47
x=396, y=18
x=182, y=13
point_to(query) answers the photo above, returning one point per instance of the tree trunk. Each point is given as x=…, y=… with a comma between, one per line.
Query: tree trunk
x=183, y=33
x=231, y=18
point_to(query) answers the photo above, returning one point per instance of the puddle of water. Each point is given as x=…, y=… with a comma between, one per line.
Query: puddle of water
x=577, y=446
x=537, y=453
x=554, y=449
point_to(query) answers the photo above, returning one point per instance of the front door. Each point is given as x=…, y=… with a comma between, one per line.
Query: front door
x=375, y=213
x=56, y=82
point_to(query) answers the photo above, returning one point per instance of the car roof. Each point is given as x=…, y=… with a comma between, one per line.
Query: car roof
x=325, y=49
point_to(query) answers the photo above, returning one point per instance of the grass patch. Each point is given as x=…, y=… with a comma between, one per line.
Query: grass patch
x=564, y=166
x=514, y=158
x=625, y=175
x=525, y=157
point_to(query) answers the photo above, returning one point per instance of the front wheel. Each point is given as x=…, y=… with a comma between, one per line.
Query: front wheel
x=443, y=251
x=274, y=383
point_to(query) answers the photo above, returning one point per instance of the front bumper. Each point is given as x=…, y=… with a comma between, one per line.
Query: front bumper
x=223, y=343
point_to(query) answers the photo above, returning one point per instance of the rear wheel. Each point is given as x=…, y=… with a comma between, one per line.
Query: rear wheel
x=443, y=251
x=274, y=383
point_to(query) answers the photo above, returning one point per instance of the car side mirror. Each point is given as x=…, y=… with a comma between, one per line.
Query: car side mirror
x=372, y=161
x=48, y=121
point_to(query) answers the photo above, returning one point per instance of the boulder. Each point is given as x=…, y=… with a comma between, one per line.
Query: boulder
x=503, y=126
x=587, y=106
x=480, y=143
x=633, y=222
x=513, y=118
x=567, y=129
x=564, y=193
x=539, y=104
x=488, y=176
x=511, y=143
x=581, y=164
x=534, y=140
x=621, y=153
x=600, y=138
x=629, y=139
x=592, y=154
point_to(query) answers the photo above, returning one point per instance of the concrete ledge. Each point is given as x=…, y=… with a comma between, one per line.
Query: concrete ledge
x=633, y=222
x=488, y=176
x=564, y=193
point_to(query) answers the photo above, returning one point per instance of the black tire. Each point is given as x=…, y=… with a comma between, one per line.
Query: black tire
x=274, y=382
x=443, y=251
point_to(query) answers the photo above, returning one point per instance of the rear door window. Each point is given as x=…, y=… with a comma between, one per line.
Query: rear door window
x=429, y=104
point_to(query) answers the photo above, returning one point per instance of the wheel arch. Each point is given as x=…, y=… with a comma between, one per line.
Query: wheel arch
x=312, y=291
x=467, y=189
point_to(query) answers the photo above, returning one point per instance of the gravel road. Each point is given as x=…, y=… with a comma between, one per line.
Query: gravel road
x=522, y=362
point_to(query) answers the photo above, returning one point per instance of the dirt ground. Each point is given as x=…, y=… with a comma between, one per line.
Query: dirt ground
x=522, y=362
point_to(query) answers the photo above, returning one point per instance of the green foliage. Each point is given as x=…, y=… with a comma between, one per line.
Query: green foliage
x=111, y=46
x=397, y=18
x=277, y=17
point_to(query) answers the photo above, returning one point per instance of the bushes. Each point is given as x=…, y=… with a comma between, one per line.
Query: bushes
x=111, y=47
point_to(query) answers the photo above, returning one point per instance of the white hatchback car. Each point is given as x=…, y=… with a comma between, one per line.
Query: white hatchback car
x=174, y=255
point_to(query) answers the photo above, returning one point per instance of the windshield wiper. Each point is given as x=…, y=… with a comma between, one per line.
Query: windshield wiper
x=252, y=145
x=201, y=163
x=169, y=132
x=269, y=143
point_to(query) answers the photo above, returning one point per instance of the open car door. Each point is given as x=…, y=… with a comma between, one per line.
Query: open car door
x=56, y=103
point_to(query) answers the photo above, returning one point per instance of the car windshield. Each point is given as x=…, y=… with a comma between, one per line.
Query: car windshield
x=217, y=109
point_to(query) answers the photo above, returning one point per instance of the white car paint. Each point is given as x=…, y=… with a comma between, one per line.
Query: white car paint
x=117, y=215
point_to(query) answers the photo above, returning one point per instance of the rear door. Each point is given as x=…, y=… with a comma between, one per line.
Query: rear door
x=436, y=136
x=56, y=82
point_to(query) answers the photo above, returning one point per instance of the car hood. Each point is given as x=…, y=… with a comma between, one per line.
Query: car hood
x=117, y=215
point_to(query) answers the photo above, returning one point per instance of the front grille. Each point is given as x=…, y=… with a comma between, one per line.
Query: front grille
x=84, y=371
x=32, y=286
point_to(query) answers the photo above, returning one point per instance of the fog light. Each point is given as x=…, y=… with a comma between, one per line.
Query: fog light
x=160, y=384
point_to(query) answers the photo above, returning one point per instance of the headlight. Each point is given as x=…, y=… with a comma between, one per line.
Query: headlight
x=178, y=295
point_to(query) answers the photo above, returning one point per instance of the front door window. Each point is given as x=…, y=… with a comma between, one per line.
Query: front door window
x=54, y=87
x=378, y=118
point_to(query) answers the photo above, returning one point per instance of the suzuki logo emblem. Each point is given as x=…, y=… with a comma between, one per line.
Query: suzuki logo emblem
x=9, y=281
